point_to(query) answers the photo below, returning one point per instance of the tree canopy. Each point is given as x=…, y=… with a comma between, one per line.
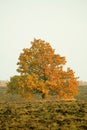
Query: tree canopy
x=41, y=71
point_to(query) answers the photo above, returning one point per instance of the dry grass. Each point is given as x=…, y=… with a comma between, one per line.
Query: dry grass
x=17, y=113
x=43, y=115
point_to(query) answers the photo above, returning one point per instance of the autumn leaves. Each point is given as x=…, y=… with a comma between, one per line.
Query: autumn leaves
x=41, y=71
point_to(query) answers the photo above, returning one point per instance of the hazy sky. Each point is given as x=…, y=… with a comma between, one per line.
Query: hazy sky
x=63, y=23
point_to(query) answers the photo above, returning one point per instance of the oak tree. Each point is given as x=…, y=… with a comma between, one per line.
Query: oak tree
x=42, y=71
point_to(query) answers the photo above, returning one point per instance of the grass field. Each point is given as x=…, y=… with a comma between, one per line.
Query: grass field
x=82, y=95
x=17, y=113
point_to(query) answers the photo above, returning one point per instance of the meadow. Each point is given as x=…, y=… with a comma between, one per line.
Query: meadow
x=18, y=113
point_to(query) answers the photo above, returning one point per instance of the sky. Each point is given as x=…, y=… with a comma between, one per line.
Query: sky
x=62, y=23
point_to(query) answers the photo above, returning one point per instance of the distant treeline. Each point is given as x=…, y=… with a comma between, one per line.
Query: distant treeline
x=82, y=83
x=3, y=83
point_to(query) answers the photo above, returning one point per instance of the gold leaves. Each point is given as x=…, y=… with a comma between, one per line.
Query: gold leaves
x=42, y=70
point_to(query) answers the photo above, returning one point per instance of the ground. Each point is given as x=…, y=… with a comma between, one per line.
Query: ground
x=17, y=113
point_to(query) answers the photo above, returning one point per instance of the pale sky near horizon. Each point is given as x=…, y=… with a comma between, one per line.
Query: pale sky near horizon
x=62, y=23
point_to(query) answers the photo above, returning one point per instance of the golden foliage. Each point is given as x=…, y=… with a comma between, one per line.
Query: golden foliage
x=42, y=71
